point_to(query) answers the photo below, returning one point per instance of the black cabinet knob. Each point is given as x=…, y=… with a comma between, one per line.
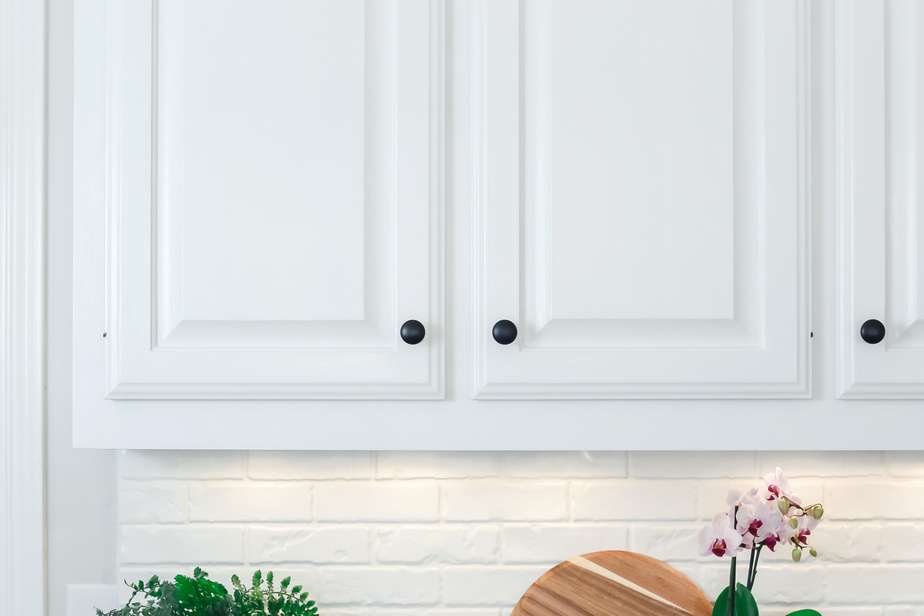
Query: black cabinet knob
x=413, y=331
x=504, y=332
x=872, y=331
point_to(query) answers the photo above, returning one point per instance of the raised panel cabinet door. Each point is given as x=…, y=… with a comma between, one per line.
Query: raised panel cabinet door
x=879, y=98
x=642, y=206
x=258, y=205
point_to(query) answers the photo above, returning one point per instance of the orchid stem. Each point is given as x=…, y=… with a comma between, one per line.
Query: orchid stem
x=732, y=586
x=751, y=566
x=753, y=577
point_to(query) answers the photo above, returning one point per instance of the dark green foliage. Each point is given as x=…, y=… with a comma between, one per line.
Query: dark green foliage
x=200, y=596
x=745, y=605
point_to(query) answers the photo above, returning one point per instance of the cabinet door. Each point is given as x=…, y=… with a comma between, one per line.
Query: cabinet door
x=642, y=205
x=880, y=133
x=258, y=199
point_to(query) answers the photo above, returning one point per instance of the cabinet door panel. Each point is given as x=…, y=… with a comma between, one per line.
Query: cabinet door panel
x=269, y=190
x=880, y=132
x=642, y=208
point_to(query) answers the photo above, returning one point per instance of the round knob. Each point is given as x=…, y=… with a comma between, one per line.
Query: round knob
x=504, y=332
x=872, y=331
x=413, y=331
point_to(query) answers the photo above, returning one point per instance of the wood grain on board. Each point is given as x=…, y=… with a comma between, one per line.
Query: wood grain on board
x=613, y=584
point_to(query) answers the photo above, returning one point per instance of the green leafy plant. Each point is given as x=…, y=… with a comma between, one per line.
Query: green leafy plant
x=200, y=596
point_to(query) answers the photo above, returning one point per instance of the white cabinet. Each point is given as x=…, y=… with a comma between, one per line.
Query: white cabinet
x=633, y=224
x=643, y=212
x=259, y=200
x=880, y=203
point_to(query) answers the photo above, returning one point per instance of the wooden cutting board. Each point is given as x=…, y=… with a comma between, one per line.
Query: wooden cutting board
x=613, y=584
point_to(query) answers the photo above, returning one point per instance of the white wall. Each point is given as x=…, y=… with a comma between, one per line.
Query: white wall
x=80, y=483
x=465, y=533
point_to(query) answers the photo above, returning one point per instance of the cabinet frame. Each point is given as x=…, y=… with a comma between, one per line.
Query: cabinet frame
x=119, y=362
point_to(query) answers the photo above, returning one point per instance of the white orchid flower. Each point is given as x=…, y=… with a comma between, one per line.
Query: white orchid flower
x=759, y=521
x=776, y=485
x=720, y=538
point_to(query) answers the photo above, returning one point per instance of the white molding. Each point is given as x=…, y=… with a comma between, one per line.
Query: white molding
x=82, y=599
x=22, y=313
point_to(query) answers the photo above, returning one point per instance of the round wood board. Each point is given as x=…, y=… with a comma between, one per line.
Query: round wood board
x=613, y=584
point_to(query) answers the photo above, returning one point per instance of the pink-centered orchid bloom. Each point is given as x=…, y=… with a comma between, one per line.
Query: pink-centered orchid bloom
x=720, y=538
x=758, y=520
x=803, y=531
x=776, y=485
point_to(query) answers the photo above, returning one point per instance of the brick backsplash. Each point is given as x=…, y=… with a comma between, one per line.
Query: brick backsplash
x=464, y=534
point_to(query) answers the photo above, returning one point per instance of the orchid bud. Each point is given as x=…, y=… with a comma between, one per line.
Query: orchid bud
x=796, y=554
x=784, y=505
x=794, y=523
x=818, y=511
x=813, y=552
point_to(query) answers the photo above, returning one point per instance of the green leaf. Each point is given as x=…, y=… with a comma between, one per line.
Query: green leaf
x=805, y=613
x=745, y=605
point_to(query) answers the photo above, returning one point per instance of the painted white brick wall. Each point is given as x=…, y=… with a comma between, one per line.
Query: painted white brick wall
x=464, y=534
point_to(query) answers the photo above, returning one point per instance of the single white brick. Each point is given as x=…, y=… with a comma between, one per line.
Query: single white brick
x=874, y=585
x=902, y=542
x=502, y=586
x=674, y=542
x=249, y=502
x=869, y=499
x=444, y=544
x=905, y=463
x=646, y=464
x=559, y=464
x=437, y=464
x=386, y=501
x=821, y=463
x=182, y=544
x=141, y=503
x=554, y=543
x=488, y=500
x=848, y=542
x=634, y=500
x=139, y=464
x=379, y=586
x=311, y=465
x=308, y=545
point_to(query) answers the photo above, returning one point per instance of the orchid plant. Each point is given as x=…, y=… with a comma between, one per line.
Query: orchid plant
x=768, y=516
